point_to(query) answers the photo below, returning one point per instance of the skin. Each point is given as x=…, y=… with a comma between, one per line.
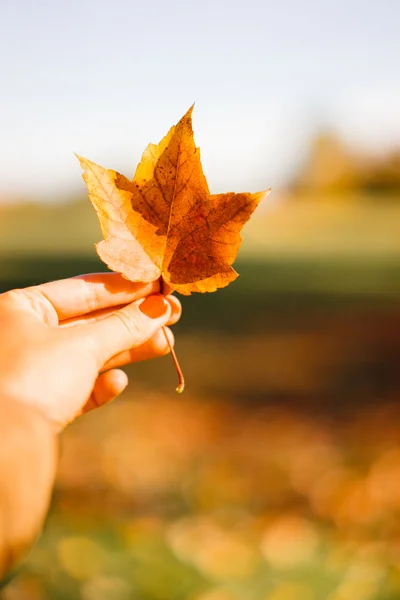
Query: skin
x=60, y=348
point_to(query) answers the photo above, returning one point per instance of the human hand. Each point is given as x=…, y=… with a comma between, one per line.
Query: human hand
x=61, y=341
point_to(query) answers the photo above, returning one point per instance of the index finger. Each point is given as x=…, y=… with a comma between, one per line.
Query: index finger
x=87, y=293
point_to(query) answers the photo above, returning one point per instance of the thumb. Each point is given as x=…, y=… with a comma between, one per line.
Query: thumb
x=128, y=327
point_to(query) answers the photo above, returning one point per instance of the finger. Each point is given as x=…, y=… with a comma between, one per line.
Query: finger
x=154, y=347
x=87, y=293
x=166, y=289
x=107, y=387
x=126, y=328
x=176, y=312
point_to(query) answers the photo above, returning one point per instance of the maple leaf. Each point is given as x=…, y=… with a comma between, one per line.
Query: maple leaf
x=165, y=223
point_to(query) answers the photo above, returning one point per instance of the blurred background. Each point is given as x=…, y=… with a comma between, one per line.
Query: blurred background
x=276, y=476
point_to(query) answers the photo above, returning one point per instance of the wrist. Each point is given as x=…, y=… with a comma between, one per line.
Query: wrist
x=28, y=460
x=30, y=414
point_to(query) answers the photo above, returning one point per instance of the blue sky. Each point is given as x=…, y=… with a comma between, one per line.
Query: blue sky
x=105, y=78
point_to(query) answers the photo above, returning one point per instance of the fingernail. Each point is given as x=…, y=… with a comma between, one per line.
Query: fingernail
x=154, y=306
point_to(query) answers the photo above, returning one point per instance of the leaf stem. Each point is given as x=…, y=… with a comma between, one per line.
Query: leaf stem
x=181, y=379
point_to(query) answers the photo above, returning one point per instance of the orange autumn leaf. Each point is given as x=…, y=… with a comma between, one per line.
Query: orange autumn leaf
x=165, y=223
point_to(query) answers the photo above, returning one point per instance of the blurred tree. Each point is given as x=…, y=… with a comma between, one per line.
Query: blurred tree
x=332, y=167
x=329, y=166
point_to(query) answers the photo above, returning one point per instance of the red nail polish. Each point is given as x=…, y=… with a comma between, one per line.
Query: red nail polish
x=154, y=306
